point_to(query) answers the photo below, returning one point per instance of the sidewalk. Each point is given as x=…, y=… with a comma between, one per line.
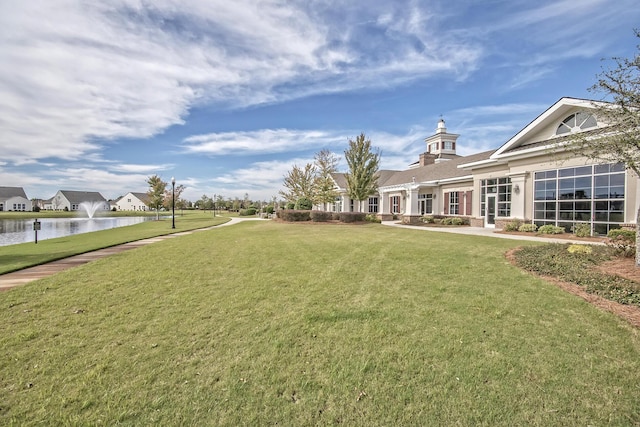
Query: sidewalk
x=481, y=231
x=21, y=277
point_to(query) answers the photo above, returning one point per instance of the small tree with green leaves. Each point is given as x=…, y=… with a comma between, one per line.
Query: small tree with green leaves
x=620, y=87
x=363, y=163
x=326, y=163
x=156, y=193
x=299, y=182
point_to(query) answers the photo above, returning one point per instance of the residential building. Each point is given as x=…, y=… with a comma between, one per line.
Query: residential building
x=133, y=202
x=528, y=178
x=72, y=200
x=14, y=199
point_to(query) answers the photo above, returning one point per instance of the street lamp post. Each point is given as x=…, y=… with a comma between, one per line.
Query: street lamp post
x=173, y=202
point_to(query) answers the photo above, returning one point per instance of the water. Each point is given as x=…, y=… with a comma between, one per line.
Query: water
x=13, y=231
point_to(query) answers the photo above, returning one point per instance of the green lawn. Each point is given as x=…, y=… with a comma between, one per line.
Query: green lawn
x=16, y=257
x=264, y=323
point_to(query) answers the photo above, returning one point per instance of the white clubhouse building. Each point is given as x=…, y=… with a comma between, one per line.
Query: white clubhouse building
x=527, y=178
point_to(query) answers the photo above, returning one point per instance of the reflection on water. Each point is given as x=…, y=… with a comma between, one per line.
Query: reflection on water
x=14, y=231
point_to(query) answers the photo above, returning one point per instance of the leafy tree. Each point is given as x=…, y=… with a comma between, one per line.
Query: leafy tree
x=620, y=86
x=326, y=163
x=304, y=203
x=168, y=195
x=156, y=193
x=299, y=183
x=363, y=163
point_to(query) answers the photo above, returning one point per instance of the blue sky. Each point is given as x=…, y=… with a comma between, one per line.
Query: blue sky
x=228, y=95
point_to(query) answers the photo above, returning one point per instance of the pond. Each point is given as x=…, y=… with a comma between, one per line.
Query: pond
x=13, y=231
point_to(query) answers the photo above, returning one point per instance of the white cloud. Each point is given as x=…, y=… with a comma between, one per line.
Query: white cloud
x=146, y=169
x=84, y=73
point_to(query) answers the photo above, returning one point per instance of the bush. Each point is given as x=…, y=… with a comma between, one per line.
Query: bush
x=582, y=229
x=579, y=249
x=528, y=228
x=622, y=241
x=428, y=219
x=269, y=210
x=36, y=209
x=320, y=216
x=453, y=221
x=550, y=229
x=372, y=218
x=513, y=225
x=292, y=215
x=352, y=216
x=335, y=216
x=304, y=204
x=290, y=205
x=247, y=212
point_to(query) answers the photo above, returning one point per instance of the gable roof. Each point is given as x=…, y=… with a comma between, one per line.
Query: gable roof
x=557, y=112
x=77, y=197
x=143, y=197
x=9, y=192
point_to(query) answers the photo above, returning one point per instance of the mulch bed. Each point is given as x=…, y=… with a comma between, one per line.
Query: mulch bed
x=624, y=267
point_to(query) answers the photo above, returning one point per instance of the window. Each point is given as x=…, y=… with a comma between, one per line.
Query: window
x=448, y=145
x=425, y=203
x=501, y=188
x=373, y=205
x=454, y=203
x=395, y=204
x=433, y=147
x=576, y=122
x=586, y=194
x=337, y=205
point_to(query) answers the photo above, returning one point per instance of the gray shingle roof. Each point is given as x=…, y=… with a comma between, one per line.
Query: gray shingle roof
x=77, y=197
x=9, y=192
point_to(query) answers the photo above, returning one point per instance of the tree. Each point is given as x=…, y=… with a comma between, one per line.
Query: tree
x=620, y=87
x=326, y=163
x=156, y=193
x=168, y=196
x=362, y=178
x=299, y=183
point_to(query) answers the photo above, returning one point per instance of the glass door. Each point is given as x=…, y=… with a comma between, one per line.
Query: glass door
x=490, y=220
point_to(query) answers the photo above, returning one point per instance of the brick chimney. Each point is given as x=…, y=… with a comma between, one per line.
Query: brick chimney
x=427, y=159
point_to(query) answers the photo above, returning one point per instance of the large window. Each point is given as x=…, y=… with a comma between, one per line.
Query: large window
x=454, y=203
x=395, y=204
x=425, y=203
x=576, y=122
x=585, y=194
x=373, y=205
x=501, y=188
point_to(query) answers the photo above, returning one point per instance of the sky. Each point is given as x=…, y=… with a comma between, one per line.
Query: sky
x=227, y=96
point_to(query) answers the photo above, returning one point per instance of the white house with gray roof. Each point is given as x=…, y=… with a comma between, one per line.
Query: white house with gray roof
x=528, y=178
x=14, y=199
x=71, y=200
x=133, y=202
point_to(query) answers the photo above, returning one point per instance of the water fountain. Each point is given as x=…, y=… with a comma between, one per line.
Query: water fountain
x=91, y=207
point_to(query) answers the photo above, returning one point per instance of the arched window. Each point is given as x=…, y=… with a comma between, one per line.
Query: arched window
x=576, y=122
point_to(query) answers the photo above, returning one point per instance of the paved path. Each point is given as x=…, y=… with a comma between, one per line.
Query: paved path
x=27, y=275
x=481, y=231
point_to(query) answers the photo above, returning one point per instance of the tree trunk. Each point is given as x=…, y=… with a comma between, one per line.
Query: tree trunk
x=638, y=238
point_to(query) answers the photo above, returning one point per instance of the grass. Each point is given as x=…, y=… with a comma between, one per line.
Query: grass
x=16, y=257
x=294, y=324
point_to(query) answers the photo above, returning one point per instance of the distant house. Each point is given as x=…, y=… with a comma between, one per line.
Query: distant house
x=71, y=200
x=133, y=202
x=14, y=199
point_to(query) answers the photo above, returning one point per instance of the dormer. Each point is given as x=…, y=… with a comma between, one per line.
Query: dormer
x=442, y=144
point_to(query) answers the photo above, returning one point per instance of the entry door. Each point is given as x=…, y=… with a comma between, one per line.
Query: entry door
x=490, y=220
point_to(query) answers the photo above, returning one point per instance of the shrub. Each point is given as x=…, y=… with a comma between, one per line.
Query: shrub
x=513, y=225
x=352, y=216
x=372, y=218
x=292, y=215
x=304, y=204
x=335, y=216
x=622, y=241
x=550, y=229
x=579, y=249
x=290, y=205
x=582, y=229
x=320, y=216
x=247, y=212
x=453, y=221
x=269, y=210
x=429, y=219
x=528, y=228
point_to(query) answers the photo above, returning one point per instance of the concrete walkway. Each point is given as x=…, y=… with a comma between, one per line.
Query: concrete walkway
x=486, y=232
x=21, y=277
